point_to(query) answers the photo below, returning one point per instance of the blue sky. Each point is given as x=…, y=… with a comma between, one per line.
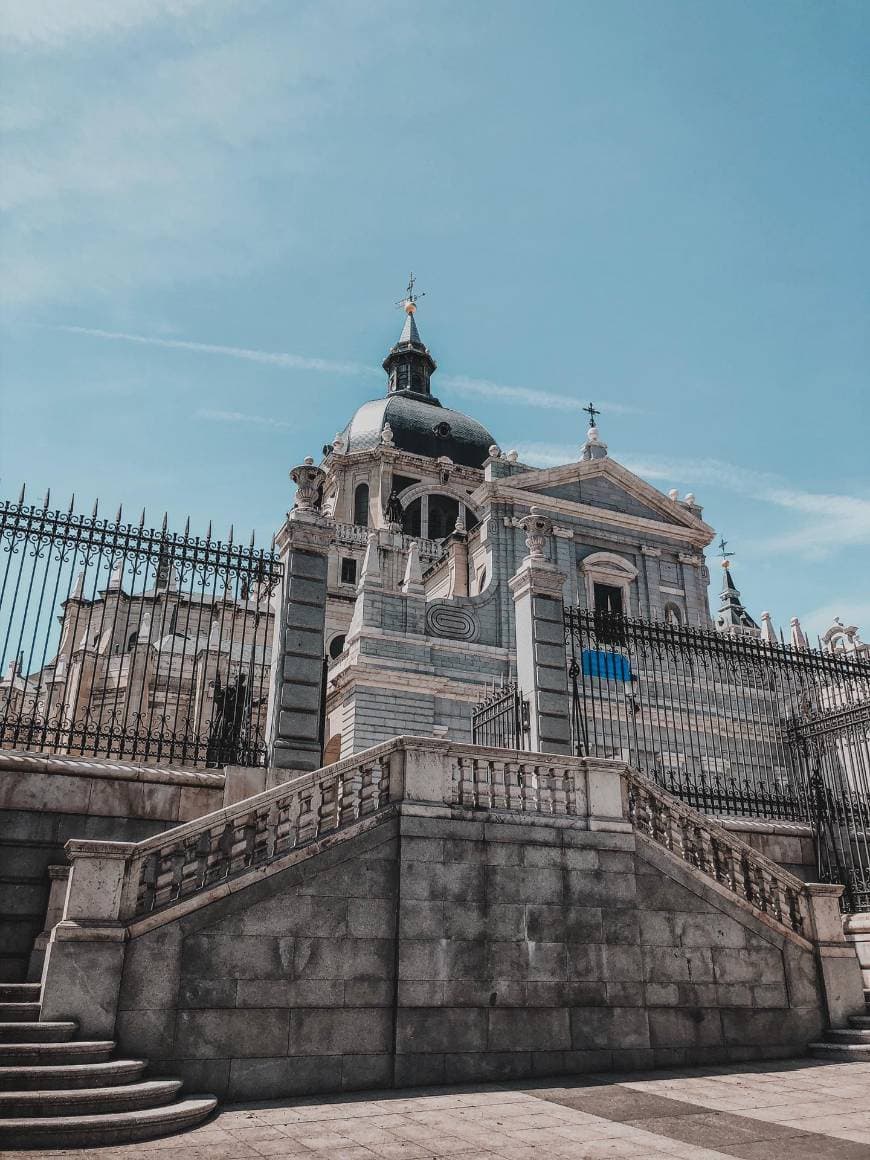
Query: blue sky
x=660, y=205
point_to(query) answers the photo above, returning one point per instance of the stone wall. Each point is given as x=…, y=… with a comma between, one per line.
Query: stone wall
x=46, y=801
x=435, y=949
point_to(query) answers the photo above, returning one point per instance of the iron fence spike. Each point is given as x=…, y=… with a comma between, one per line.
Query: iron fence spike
x=72, y=503
x=253, y=537
x=96, y=507
x=21, y=494
x=208, y=531
x=165, y=521
x=187, y=527
x=230, y=540
x=47, y=499
x=142, y=519
x=118, y=514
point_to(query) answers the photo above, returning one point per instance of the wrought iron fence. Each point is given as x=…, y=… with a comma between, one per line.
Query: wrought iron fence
x=502, y=719
x=705, y=714
x=832, y=748
x=125, y=641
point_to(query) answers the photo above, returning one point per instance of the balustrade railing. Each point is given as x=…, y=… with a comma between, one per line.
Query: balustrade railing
x=200, y=856
x=716, y=852
x=214, y=849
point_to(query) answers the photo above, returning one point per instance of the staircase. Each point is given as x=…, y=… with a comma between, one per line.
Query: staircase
x=847, y=1043
x=60, y=1091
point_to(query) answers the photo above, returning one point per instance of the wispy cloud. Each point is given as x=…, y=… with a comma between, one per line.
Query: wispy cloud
x=241, y=417
x=549, y=400
x=818, y=620
x=461, y=384
x=831, y=520
x=269, y=358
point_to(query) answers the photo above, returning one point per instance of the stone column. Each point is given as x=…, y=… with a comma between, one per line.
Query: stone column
x=839, y=965
x=81, y=978
x=293, y=725
x=542, y=668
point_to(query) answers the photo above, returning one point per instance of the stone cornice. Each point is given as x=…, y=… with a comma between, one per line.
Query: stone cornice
x=697, y=533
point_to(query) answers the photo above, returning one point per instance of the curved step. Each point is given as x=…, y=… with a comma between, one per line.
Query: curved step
x=74, y=1075
x=18, y=1012
x=120, y=1128
x=19, y=992
x=152, y=1093
x=37, y=1032
x=50, y=1054
x=847, y=1035
x=845, y=1051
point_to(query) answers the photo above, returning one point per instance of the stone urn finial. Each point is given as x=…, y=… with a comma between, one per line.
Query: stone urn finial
x=309, y=485
x=387, y=437
x=538, y=528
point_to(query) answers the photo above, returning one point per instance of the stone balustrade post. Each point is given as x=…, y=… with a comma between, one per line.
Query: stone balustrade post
x=58, y=877
x=606, y=795
x=81, y=978
x=839, y=967
x=542, y=666
x=294, y=721
x=856, y=929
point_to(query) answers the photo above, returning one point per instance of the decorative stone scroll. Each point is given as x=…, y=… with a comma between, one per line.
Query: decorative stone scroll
x=452, y=621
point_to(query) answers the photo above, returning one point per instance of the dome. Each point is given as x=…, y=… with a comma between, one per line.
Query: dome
x=421, y=426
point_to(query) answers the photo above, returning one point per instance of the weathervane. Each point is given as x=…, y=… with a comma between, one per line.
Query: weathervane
x=723, y=554
x=409, y=302
x=592, y=412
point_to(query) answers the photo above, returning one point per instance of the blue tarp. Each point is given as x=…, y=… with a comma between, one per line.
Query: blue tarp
x=606, y=665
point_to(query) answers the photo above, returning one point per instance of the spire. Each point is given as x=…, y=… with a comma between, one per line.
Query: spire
x=732, y=616
x=409, y=365
x=798, y=636
x=768, y=632
x=412, y=585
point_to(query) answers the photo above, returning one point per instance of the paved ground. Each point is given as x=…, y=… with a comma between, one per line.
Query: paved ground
x=794, y=1110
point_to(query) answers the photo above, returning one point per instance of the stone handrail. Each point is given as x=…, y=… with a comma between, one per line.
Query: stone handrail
x=591, y=793
x=357, y=535
x=717, y=853
x=260, y=830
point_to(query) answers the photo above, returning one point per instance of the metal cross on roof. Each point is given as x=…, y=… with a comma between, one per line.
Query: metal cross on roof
x=592, y=411
x=410, y=298
x=722, y=545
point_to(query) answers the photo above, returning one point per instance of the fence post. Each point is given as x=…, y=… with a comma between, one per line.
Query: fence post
x=293, y=725
x=839, y=967
x=81, y=978
x=542, y=669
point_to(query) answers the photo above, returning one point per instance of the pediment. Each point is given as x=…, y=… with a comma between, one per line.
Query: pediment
x=606, y=485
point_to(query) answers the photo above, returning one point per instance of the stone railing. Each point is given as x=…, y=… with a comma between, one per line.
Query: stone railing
x=253, y=833
x=357, y=535
x=218, y=848
x=717, y=853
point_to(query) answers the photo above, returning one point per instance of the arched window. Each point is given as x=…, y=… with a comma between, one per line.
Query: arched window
x=361, y=505
x=336, y=647
x=132, y=641
x=673, y=614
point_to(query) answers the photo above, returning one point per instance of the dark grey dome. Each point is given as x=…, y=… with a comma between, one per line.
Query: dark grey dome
x=420, y=425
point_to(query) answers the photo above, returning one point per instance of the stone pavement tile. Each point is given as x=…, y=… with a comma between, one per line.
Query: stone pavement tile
x=714, y=1129
x=809, y=1147
x=293, y=1149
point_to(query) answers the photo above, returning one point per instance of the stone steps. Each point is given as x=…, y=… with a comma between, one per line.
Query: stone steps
x=846, y=1043
x=18, y=1012
x=57, y=1091
x=127, y=1097
x=55, y=1054
x=78, y=1075
x=115, y=1128
x=21, y=1032
x=19, y=993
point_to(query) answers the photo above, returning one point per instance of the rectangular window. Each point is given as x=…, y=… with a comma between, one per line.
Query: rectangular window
x=348, y=570
x=608, y=599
